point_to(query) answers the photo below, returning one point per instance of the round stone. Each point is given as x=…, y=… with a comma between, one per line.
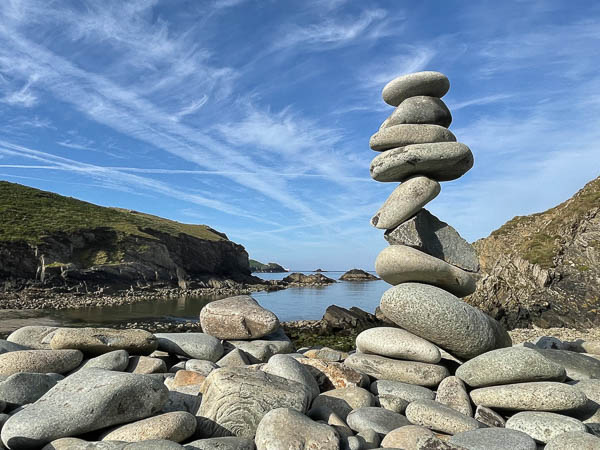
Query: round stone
x=537, y=396
x=382, y=368
x=377, y=419
x=405, y=201
x=430, y=83
x=40, y=361
x=451, y=392
x=408, y=134
x=441, y=318
x=397, y=343
x=343, y=401
x=544, y=426
x=420, y=110
x=494, y=439
x=174, y=426
x=406, y=437
x=438, y=417
x=116, y=360
x=191, y=345
x=287, y=367
x=96, y=341
x=239, y=317
x=401, y=264
x=441, y=161
x=574, y=440
x=509, y=365
x=286, y=428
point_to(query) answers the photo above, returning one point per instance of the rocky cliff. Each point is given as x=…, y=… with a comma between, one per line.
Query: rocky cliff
x=47, y=239
x=544, y=269
x=256, y=266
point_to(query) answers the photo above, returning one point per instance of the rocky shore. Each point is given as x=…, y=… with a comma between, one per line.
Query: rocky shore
x=240, y=383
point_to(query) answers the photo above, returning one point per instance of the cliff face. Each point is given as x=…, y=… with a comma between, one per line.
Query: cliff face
x=544, y=269
x=50, y=240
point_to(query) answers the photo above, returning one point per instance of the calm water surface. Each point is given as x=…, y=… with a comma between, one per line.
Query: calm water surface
x=288, y=304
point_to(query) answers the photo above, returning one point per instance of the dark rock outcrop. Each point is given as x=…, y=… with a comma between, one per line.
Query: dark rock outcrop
x=315, y=279
x=256, y=266
x=358, y=275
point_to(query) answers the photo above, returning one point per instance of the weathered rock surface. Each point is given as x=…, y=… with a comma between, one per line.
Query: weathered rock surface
x=408, y=134
x=382, y=368
x=116, y=360
x=287, y=367
x=438, y=417
x=39, y=361
x=509, y=365
x=191, y=345
x=432, y=84
x=96, y=341
x=489, y=417
x=405, y=437
x=451, y=392
x=401, y=264
x=234, y=358
x=23, y=388
x=377, y=419
x=440, y=161
x=397, y=343
x=260, y=350
x=494, y=439
x=239, y=317
x=403, y=391
x=145, y=365
x=427, y=233
x=238, y=398
x=343, y=401
x=221, y=443
x=536, y=396
x=405, y=201
x=173, y=426
x=201, y=366
x=574, y=440
x=420, y=110
x=284, y=428
x=544, y=426
x=441, y=318
x=88, y=400
x=333, y=375
x=7, y=346
x=33, y=336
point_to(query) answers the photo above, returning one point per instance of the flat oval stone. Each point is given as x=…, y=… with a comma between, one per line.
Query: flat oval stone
x=221, y=443
x=237, y=398
x=400, y=264
x=383, y=368
x=578, y=366
x=438, y=417
x=343, y=401
x=430, y=83
x=377, y=419
x=285, y=428
x=544, y=426
x=451, y=392
x=191, y=345
x=173, y=426
x=33, y=336
x=441, y=161
x=494, y=439
x=405, y=437
x=88, y=400
x=405, y=391
x=96, y=341
x=441, y=318
x=408, y=134
x=537, y=396
x=509, y=365
x=405, y=201
x=574, y=440
x=40, y=361
x=420, y=110
x=239, y=317
x=397, y=343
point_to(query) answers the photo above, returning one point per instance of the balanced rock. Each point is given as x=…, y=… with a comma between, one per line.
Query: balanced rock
x=260, y=350
x=536, y=396
x=544, y=426
x=239, y=317
x=286, y=428
x=438, y=417
x=507, y=366
x=96, y=341
x=377, y=419
x=405, y=201
x=409, y=134
x=420, y=109
x=493, y=439
x=191, y=345
x=23, y=388
x=88, y=400
x=397, y=343
x=441, y=318
x=441, y=161
x=432, y=84
x=39, y=361
x=33, y=336
x=174, y=426
x=238, y=398
x=343, y=401
x=401, y=264
x=427, y=233
x=382, y=368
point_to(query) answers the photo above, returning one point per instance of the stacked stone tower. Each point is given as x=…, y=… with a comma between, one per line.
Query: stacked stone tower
x=427, y=262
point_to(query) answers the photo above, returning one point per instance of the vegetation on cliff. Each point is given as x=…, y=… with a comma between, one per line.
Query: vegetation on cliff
x=256, y=266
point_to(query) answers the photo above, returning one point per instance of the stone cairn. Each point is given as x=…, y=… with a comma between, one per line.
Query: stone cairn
x=445, y=376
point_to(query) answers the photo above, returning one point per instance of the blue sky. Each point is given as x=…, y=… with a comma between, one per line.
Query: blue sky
x=254, y=116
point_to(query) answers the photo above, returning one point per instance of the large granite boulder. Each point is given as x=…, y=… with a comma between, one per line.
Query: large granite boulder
x=97, y=341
